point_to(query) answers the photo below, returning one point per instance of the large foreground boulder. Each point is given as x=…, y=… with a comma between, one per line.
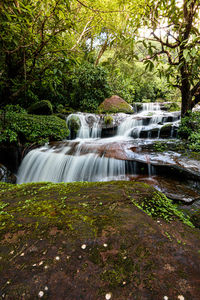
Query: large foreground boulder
x=115, y=104
x=94, y=241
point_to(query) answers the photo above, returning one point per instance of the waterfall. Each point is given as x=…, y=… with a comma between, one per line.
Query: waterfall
x=151, y=114
x=49, y=164
x=89, y=125
x=91, y=158
x=151, y=106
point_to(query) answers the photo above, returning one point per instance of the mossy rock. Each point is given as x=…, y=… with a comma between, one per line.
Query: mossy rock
x=88, y=240
x=108, y=120
x=115, y=104
x=74, y=123
x=43, y=107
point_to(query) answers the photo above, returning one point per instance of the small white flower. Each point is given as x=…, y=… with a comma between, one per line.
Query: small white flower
x=165, y=298
x=105, y=245
x=34, y=265
x=159, y=222
x=8, y=282
x=41, y=294
x=124, y=282
x=46, y=288
x=57, y=258
x=46, y=267
x=180, y=297
x=125, y=257
x=68, y=257
x=108, y=296
x=83, y=246
x=22, y=254
x=11, y=252
x=41, y=263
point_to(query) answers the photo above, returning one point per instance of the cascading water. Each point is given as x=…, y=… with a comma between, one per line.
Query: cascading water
x=90, y=158
x=58, y=165
x=151, y=118
x=87, y=129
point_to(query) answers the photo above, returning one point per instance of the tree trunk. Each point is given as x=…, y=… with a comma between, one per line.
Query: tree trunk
x=186, y=94
x=101, y=52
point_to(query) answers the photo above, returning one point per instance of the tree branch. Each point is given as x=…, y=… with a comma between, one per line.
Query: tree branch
x=101, y=11
x=85, y=29
x=195, y=88
x=167, y=44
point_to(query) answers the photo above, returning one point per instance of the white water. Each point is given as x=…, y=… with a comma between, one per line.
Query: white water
x=47, y=164
x=85, y=130
x=135, y=124
x=89, y=158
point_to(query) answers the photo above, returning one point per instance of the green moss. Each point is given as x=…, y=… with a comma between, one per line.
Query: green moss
x=159, y=206
x=160, y=146
x=38, y=206
x=108, y=120
x=115, y=104
x=43, y=107
x=74, y=123
x=122, y=107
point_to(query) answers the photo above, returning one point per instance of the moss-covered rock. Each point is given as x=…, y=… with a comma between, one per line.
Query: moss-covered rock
x=115, y=104
x=43, y=107
x=74, y=124
x=86, y=240
x=108, y=120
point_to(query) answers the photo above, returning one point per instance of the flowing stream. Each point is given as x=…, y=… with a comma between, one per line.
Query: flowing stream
x=89, y=157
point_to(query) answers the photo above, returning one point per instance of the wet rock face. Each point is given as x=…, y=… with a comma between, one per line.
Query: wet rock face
x=90, y=119
x=196, y=218
x=11, y=156
x=172, y=188
x=6, y=175
x=89, y=241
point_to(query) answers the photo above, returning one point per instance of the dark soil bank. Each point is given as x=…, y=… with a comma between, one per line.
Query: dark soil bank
x=95, y=241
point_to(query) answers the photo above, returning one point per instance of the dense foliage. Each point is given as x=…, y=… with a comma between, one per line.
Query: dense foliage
x=76, y=54
x=90, y=87
x=22, y=128
x=190, y=130
x=173, y=28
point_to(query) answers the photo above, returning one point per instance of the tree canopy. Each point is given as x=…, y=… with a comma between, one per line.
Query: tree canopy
x=43, y=43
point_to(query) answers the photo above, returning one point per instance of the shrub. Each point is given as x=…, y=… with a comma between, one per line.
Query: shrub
x=190, y=130
x=14, y=108
x=43, y=107
x=28, y=129
x=173, y=106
